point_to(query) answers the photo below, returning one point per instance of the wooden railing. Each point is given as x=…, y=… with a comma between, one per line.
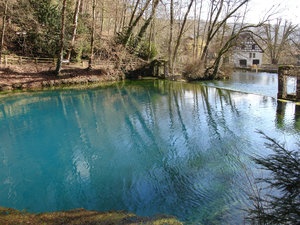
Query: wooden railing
x=19, y=60
x=11, y=59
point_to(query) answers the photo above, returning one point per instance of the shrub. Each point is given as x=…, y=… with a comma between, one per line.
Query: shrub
x=284, y=166
x=147, y=52
x=194, y=70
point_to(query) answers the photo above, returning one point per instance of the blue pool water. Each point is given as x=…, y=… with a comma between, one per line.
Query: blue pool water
x=147, y=147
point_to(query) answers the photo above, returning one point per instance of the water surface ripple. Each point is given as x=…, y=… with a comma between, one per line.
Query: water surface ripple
x=147, y=147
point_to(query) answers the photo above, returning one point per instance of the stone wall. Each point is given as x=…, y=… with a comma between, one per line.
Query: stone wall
x=283, y=73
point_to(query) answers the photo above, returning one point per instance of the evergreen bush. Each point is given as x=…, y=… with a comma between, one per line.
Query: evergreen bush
x=281, y=205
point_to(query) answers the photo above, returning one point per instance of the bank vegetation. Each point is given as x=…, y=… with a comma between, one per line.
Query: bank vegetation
x=194, y=36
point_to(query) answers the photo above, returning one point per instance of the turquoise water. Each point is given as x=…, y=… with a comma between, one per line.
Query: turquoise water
x=257, y=83
x=147, y=147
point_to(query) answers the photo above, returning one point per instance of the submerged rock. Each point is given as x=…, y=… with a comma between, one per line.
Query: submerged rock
x=81, y=216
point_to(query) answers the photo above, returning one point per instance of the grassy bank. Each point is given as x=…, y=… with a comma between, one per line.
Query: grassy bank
x=81, y=216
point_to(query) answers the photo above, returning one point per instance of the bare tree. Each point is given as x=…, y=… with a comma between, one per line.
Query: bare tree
x=117, y=8
x=133, y=12
x=91, y=58
x=195, y=29
x=123, y=16
x=178, y=42
x=62, y=40
x=102, y=16
x=198, y=30
x=3, y=29
x=215, y=24
x=295, y=51
x=147, y=23
x=75, y=23
x=171, y=35
x=225, y=47
x=277, y=36
x=151, y=38
x=219, y=13
x=129, y=31
x=296, y=39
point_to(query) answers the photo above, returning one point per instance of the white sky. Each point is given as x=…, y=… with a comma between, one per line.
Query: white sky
x=287, y=9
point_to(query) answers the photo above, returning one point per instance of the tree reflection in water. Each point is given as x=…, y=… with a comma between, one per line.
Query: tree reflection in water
x=143, y=146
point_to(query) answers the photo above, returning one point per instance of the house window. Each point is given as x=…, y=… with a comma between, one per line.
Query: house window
x=250, y=55
x=253, y=47
x=243, y=62
x=253, y=55
x=256, y=62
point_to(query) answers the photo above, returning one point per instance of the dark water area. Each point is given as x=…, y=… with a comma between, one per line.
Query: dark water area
x=147, y=147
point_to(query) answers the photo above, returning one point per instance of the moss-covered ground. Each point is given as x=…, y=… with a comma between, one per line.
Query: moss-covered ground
x=81, y=216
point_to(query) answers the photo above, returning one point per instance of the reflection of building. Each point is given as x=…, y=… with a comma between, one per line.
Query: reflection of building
x=247, y=52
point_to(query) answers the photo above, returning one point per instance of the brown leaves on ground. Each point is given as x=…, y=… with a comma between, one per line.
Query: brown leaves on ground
x=34, y=76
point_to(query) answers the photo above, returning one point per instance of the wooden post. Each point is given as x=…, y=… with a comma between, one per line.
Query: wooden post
x=5, y=60
x=20, y=60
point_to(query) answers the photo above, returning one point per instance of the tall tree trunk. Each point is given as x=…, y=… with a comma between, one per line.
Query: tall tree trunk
x=171, y=36
x=3, y=30
x=152, y=36
x=211, y=26
x=214, y=24
x=147, y=23
x=225, y=24
x=91, y=59
x=277, y=36
x=198, y=29
x=133, y=12
x=150, y=40
x=204, y=34
x=195, y=30
x=181, y=33
x=116, y=17
x=102, y=17
x=75, y=23
x=81, y=7
x=62, y=40
x=135, y=22
x=123, y=16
